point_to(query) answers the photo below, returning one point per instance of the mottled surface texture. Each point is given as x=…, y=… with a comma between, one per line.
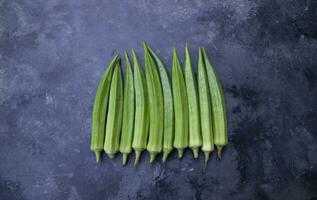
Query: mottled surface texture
x=53, y=53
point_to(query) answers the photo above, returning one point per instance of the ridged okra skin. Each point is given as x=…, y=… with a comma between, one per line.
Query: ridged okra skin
x=180, y=106
x=219, y=114
x=193, y=105
x=168, y=132
x=205, y=109
x=114, y=116
x=100, y=108
x=156, y=105
x=128, y=112
x=141, y=121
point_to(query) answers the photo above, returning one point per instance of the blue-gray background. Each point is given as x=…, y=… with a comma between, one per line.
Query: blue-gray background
x=53, y=53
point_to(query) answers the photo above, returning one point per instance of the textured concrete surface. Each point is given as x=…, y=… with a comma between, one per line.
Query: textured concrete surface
x=53, y=53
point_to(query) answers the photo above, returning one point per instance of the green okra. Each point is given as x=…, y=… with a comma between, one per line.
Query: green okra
x=180, y=106
x=100, y=109
x=128, y=112
x=193, y=105
x=114, y=116
x=168, y=132
x=205, y=109
x=156, y=107
x=218, y=107
x=141, y=120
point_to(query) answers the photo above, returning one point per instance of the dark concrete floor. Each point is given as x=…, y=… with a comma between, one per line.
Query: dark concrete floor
x=53, y=53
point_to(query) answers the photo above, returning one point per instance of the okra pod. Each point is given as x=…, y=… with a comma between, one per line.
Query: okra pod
x=155, y=98
x=128, y=112
x=193, y=105
x=180, y=106
x=219, y=115
x=114, y=116
x=205, y=109
x=168, y=134
x=141, y=121
x=100, y=110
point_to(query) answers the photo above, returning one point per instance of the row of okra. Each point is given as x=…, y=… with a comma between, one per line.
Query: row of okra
x=150, y=112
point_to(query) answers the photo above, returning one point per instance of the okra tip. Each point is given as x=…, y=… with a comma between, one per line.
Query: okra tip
x=144, y=45
x=97, y=153
x=165, y=154
x=125, y=54
x=137, y=156
x=124, y=158
x=186, y=46
x=146, y=52
x=133, y=53
x=180, y=153
x=195, y=152
x=174, y=52
x=204, y=50
x=152, y=156
x=200, y=53
x=219, y=150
